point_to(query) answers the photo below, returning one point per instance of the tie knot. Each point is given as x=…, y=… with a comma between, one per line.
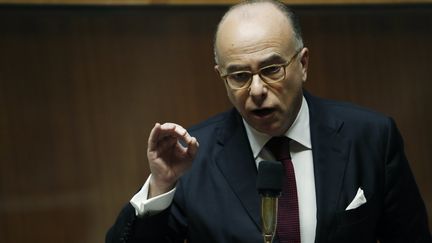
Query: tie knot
x=279, y=146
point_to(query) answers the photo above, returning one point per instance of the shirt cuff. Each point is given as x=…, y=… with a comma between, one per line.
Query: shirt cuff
x=144, y=206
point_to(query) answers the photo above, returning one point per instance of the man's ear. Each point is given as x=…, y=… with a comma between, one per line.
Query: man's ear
x=304, y=61
x=216, y=68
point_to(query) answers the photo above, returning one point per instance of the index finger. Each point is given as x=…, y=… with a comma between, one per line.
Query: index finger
x=167, y=130
x=175, y=130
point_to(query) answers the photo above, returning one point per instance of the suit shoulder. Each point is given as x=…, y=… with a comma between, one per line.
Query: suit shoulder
x=347, y=111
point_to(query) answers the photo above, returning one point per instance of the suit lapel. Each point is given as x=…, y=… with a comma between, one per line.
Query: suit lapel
x=237, y=164
x=330, y=155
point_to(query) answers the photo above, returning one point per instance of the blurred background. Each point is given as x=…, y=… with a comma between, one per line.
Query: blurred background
x=83, y=82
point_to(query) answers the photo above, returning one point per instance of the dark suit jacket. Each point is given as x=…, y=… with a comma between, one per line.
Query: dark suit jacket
x=216, y=201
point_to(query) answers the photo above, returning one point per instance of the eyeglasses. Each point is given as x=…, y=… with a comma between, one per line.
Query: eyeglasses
x=270, y=74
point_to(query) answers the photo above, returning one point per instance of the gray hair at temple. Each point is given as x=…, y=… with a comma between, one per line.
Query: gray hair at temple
x=287, y=12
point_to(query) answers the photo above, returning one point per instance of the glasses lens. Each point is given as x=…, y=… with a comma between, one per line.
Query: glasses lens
x=273, y=73
x=238, y=79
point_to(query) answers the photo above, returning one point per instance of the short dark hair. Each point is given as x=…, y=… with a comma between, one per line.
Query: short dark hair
x=285, y=10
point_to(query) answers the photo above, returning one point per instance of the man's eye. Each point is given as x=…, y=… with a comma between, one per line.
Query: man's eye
x=269, y=71
x=240, y=76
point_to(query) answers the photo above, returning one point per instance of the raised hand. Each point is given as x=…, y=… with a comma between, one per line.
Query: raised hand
x=168, y=158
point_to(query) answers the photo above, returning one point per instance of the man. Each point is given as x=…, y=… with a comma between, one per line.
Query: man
x=352, y=180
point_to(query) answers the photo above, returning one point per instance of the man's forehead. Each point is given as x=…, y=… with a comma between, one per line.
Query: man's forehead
x=249, y=37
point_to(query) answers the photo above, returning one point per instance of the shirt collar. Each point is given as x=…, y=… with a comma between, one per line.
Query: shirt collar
x=299, y=132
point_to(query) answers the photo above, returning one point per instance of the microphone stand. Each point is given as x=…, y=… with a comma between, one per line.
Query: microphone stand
x=269, y=220
x=269, y=185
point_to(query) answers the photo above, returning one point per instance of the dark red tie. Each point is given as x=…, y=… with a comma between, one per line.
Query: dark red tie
x=288, y=224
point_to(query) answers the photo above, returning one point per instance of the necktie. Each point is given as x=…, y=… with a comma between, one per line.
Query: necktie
x=288, y=224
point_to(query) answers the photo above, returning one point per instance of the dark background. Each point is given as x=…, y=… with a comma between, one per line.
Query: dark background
x=81, y=87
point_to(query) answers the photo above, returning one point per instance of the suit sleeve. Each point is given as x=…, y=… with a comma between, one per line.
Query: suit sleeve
x=405, y=217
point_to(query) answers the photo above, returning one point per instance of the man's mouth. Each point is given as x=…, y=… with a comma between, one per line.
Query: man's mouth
x=263, y=112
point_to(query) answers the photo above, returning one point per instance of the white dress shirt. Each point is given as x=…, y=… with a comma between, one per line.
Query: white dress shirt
x=301, y=155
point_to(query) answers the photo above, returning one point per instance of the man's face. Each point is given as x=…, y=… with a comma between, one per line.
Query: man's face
x=249, y=44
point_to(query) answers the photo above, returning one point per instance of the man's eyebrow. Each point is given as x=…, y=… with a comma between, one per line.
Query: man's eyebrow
x=236, y=67
x=272, y=59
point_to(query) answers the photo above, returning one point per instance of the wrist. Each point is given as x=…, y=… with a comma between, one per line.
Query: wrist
x=158, y=187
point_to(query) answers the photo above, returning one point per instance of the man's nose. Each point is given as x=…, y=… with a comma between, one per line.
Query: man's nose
x=258, y=89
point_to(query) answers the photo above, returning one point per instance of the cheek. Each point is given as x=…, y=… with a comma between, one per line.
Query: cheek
x=288, y=93
x=294, y=83
x=237, y=98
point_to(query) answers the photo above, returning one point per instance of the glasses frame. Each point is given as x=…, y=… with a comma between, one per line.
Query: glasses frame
x=263, y=78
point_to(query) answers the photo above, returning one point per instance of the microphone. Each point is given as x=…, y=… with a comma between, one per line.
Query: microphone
x=269, y=185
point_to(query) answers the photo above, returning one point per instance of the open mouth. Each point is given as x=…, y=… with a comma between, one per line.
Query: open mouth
x=263, y=112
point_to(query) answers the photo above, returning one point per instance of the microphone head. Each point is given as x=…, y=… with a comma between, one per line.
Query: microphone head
x=270, y=178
